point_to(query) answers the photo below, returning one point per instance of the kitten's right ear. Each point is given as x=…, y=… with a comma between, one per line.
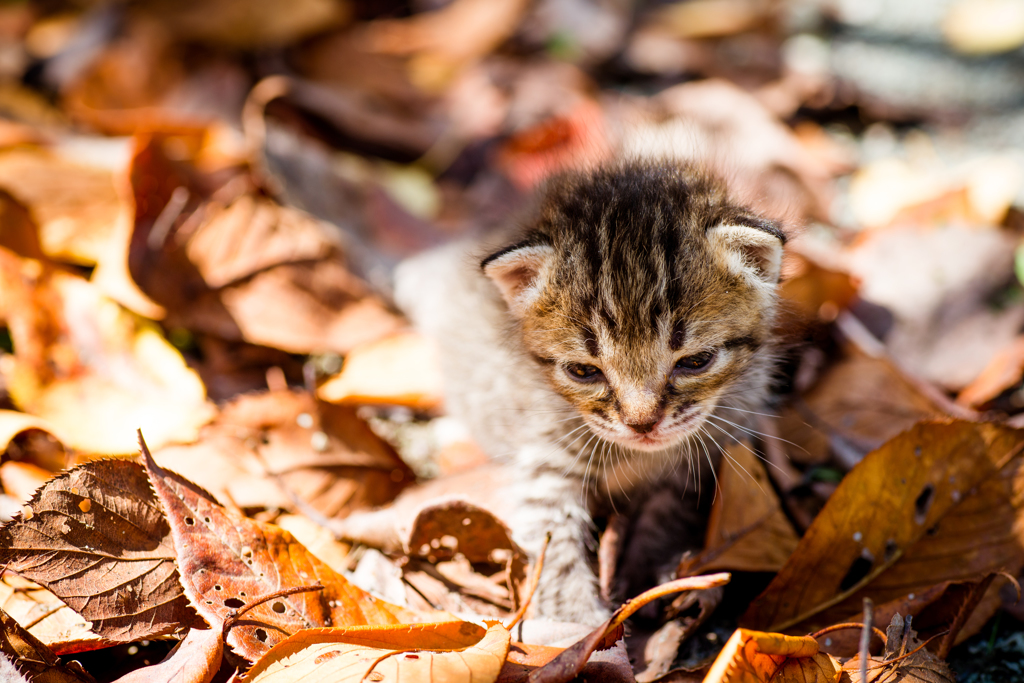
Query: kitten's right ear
x=519, y=271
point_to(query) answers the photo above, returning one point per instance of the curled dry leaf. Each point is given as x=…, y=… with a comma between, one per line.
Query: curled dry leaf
x=89, y=368
x=196, y=659
x=402, y=369
x=570, y=662
x=448, y=652
x=482, y=25
x=747, y=529
x=47, y=452
x=227, y=560
x=756, y=657
x=51, y=621
x=323, y=454
x=77, y=222
x=242, y=267
x=463, y=557
x=97, y=538
x=32, y=657
x=1003, y=372
x=905, y=659
x=939, y=490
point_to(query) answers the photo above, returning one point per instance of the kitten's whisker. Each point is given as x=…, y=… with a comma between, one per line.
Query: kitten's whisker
x=757, y=455
x=754, y=432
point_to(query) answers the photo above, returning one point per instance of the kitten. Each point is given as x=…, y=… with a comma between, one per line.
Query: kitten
x=602, y=352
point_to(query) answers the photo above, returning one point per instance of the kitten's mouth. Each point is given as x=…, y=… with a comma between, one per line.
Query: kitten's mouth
x=660, y=438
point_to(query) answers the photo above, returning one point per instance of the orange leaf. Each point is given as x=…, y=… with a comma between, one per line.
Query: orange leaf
x=757, y=657
x=227, y=561
x=451, y=652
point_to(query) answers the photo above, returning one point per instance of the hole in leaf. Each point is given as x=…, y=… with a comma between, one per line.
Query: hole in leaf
x=924, y=503
x=412, y=656
x=278, y=607
x=206, y=519
x=261, y=635
x=218, y=587
x=189, y=521
x=234, y=603
x=858, y=570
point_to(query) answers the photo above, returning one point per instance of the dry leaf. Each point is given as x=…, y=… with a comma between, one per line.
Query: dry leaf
x=263, y=446
x=400, y=370
x=900, y=662
x=196, y=659
x=228, y=560
x=244, y=268
x=28, y=439
x=939, y=490
x=75, y=206
x=92, y=370
x=756, y=657
x=481, y=25
x=747, y=529
x=569, y=663
x=51, y=621
x=97, y=538
x=31, y=656
x=1003, y=372
x=411, y=653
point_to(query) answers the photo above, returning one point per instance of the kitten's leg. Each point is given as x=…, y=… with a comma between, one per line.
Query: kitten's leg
x=549, y=502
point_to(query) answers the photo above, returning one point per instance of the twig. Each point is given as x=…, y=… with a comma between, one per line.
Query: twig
x=865, y=638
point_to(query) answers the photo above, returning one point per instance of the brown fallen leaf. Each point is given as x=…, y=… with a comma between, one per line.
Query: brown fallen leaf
x=97, y=538
x=195, y=659
x=950, y=611
x=265, y=447
x=242, y=267
x=412, y=653
x=905, y=659
x=939, y=490
x=44, y=615
x=855, y=406
x=747, y=529
x=30, y=440
x=32, y=658
x=757, y=657
x=21, y=479
x=1003, y=372
x=76, y=223
x=227, y=560
x=89, y=368
x=402, y=369
x=435, y=58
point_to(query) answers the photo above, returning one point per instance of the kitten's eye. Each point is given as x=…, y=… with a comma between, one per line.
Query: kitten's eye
x=696, y=362
x=583, y=373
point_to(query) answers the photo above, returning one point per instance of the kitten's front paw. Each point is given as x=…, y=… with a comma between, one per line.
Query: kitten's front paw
x=571, y=595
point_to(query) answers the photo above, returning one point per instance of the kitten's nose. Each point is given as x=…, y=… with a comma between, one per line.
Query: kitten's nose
x=643, y=428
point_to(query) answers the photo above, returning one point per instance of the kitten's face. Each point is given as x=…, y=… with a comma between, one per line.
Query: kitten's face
x=646, y=304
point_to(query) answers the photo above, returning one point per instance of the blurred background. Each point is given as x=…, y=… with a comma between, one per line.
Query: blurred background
x=887, y=134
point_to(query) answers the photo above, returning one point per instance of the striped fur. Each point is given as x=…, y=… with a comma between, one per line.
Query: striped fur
x=604, y=349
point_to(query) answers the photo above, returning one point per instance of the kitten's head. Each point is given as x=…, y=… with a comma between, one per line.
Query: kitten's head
x=646, y=295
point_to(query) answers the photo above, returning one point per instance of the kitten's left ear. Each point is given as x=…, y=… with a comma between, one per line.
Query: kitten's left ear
x=755, y=252
x=519, y=271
